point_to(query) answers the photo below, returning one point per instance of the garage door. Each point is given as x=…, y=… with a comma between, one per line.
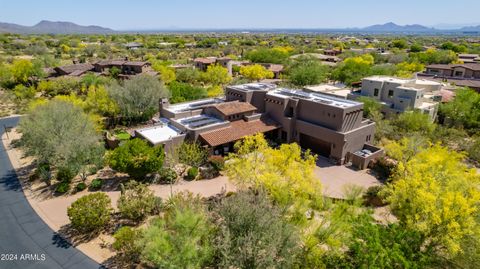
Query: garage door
x=316, y=145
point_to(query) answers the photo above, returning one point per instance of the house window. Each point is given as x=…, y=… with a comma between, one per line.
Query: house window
x=458, y=73
x=375, y=92
x=390, y=93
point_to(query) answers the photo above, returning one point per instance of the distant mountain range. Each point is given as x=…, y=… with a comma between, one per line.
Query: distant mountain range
x=51, y=27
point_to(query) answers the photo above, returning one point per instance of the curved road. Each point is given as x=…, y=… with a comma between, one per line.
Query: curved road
x=25, y=240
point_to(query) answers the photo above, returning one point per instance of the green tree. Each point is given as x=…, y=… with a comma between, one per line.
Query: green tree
x=264, y=55
x=136, y=201
x=414, y=121
x=464, y=110
x=371, y=107
x=138, y=97
x=192, y=154
x=182, y=92
x=60, y=134
x=136, y=158
x=181, y=239
x=399, y=44
x=98, y=101
x=90, y=213
x=188, y=75
x=23, y=70
x=353, y=69
x=216, y=75
x=255, y=72
x=308, y=72
x=253, y=234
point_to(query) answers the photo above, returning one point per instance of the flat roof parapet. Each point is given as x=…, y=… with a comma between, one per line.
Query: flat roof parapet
x=189, y=106
x=316, y=97
x=254, y=87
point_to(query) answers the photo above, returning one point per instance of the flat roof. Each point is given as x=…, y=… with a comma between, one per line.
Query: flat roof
x=316, y=97
x=387, y=79
x=159, y=133
x=188, y=106
x=254, y=87
x=200, y=121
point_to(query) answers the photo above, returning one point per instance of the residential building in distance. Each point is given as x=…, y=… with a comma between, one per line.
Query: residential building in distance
x=399, y=95
x=462, y=75
x=134, y=45
x=329, y=126
x=127, y=68
x=469, y=58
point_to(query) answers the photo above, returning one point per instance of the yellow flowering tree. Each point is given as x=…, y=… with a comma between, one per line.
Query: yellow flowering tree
x=285, y=173
x=436, y=194
x=255, y=72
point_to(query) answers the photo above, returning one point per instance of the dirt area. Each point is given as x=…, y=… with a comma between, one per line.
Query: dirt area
x=53, y=209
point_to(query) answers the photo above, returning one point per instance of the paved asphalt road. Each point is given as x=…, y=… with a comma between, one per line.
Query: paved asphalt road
x=26, y=242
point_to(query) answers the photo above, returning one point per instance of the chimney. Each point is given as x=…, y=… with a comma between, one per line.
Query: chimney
x=162, y=103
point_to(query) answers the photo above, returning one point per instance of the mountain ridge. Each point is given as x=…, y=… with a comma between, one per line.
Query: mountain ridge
x=53, y=27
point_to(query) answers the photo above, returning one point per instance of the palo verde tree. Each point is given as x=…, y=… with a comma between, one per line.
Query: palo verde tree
x=138, y=97
x=436, y=194
x=60, y=134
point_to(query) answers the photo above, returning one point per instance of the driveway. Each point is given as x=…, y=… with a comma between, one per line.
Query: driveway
x=25, y=240
x=335, y=178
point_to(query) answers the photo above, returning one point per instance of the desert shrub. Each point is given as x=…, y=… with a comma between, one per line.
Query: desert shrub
x=217, y=162
x=90, y=213
x=136, y=201
x=65, y=174
x=96, y=184
x=127, y=244
x=192, y=173
x=63, y=187
x=182, y=238
x=372, y=197
x=44, y=173
x=80, y=186
x=252, y=233
x=136, y=158
x=168, y=175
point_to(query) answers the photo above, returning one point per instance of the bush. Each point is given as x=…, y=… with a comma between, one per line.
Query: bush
x=168, y=175
x=127, y=244
x=90, y=213
x=44, y=173
x=80, y=186
x=136, y=158
x=181, y=239
x=136, y=201
x=372, y=197
x=192, y=173
x=217, y=162
x=253, y=233
x=65, y=174
x=96, y=184
x=63, y=187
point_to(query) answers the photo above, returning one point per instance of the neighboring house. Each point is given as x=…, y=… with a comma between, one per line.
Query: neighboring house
x=133, y=45
x=332, y=52
x=203, y=63
x=328, y=126
x=469, y=58
x=127, y=68
x=400, y=95
x=74, y=70
x=462, y=75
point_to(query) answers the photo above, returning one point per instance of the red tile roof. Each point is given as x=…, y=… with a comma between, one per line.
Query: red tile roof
x=237, y=130
x=235, y=107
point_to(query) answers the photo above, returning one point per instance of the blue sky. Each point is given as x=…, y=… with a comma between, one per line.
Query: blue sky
x=160, y=14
